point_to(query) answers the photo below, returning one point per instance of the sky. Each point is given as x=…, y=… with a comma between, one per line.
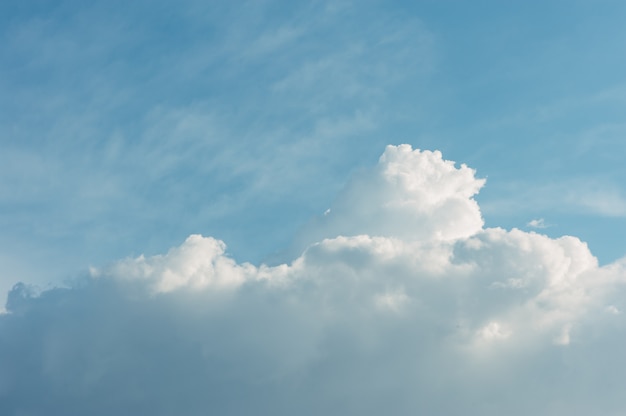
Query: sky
x=312, y=207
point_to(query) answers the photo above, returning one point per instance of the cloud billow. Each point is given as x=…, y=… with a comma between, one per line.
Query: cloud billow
x=402, y=303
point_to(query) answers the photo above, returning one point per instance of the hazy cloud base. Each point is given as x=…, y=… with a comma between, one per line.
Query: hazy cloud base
x=402, y=303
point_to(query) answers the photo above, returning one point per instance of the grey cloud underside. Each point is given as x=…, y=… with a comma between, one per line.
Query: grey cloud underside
x=404, y=305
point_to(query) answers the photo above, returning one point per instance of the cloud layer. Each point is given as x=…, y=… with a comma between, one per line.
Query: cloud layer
x=402, y=303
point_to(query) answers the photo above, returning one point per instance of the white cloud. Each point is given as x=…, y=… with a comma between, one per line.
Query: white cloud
x=411, y=195
x=537, y=223
x=404, y=305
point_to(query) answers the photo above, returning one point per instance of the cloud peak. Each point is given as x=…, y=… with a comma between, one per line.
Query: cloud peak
x=410, y=194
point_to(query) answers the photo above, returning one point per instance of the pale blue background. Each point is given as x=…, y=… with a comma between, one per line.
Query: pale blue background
x=127, y=125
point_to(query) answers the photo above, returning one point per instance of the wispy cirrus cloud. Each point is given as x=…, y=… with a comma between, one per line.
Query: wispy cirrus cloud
x=116, y=124
x=583, y=196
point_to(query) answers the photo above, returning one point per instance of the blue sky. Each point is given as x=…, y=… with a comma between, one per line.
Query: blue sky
x=125, y=126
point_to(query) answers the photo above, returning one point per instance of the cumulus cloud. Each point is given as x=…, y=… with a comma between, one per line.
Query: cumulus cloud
x=410, y=195
x=402, y=304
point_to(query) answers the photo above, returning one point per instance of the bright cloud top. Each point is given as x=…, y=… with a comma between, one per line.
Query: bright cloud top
x=410, y=195
x=404, y=304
